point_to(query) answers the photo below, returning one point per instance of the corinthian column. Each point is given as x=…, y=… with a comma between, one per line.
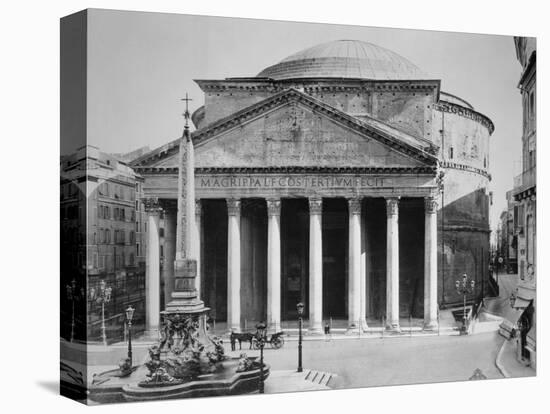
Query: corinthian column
x=152, y=277
x=274, y=264
x=354, y=265
x=234, y=265
x=430, y=263
x=315, y=266
x=392, y=264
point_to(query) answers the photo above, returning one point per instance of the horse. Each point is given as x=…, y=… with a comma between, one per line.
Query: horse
x=241, y=337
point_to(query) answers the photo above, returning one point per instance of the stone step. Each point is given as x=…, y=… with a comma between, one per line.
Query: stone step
x=319, y=377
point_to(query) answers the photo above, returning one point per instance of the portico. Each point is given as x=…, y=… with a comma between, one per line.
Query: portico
x=304, y=236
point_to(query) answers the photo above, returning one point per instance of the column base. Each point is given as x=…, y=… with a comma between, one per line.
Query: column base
x=430, y=326
x=234, y=329
x=394, y=327
x=352, y=330
x=150, y=334
x=315, y=331
x=275, y=327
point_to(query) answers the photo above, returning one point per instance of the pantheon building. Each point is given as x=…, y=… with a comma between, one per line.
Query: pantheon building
x=342, y=177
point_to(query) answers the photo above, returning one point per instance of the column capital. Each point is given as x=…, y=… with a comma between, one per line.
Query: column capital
x=430, y=205
x=392, y=206
x=315, y=205
x=152, y=205
x=198, y=207
x=273, y=206
x=354, y=205
x=234, y=206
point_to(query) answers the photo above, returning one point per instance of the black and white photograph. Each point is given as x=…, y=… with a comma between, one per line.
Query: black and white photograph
x=274, y=212
x=292, y=210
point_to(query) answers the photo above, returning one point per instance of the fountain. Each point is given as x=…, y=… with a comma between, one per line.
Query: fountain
x=187, y=361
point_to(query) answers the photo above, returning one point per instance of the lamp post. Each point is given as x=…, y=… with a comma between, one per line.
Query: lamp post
x=463, y=287
x=129, y=317
x=103, y=297
x=260, y=338
x=71, y=289
x=300, y=307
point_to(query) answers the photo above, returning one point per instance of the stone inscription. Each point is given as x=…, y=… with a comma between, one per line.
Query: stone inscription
x=294, y=181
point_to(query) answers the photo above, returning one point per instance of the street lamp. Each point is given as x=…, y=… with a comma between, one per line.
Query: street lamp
x=71, y=289
x=129, y=317
x=463, y=287
x=103, y=297
x=300, y=307
x=260, y=338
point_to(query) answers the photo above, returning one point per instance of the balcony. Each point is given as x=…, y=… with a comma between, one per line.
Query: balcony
x=525, y=181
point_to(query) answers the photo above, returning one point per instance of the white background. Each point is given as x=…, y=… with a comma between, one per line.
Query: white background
x=29, y=99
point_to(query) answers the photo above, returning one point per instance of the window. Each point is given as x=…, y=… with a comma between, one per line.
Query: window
x=132, y=237
x=138, y=251
x=107, y=213
x=532, y=105
x=108, y=235
x=137, y=205
x=451, y=153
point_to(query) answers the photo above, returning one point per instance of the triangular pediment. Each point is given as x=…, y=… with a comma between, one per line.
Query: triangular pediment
x=292, y=129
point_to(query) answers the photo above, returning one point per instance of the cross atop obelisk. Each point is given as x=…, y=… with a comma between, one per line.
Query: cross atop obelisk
x=186, y=116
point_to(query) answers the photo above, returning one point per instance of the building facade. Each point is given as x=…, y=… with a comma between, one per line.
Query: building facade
x=342, y=177
x=507, y=242
x=110, y=245
x=525, y=193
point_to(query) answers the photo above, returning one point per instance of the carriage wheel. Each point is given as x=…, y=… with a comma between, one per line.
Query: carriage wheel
x=277, y=342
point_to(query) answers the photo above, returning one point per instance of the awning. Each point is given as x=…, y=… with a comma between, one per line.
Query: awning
x=509, y=323
x=521, y=303
x=526, y=293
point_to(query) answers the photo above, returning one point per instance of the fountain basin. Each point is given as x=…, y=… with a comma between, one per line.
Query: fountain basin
x=108, y=388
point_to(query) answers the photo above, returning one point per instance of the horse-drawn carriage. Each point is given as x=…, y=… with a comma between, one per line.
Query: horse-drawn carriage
x=276, y=340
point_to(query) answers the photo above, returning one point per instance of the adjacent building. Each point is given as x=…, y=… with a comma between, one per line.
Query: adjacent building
x=103, y=237
x=343, y=177
x=525, y=193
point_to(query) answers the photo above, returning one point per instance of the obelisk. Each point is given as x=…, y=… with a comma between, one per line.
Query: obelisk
x=184, y=297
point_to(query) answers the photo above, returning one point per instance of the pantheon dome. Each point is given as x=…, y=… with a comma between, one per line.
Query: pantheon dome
x=352, y=59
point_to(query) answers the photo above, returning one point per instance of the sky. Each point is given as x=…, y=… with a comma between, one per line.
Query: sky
x=141, y=64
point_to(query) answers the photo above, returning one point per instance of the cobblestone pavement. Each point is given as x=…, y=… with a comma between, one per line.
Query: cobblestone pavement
x=394, y=361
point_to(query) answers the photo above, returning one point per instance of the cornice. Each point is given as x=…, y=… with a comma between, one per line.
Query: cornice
x=424, y=170
x=315, y=84
x=445, y=106
x=464, y=167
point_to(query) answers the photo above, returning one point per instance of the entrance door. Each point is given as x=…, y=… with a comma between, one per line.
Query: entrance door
x=335, y=258
x=294, y=256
